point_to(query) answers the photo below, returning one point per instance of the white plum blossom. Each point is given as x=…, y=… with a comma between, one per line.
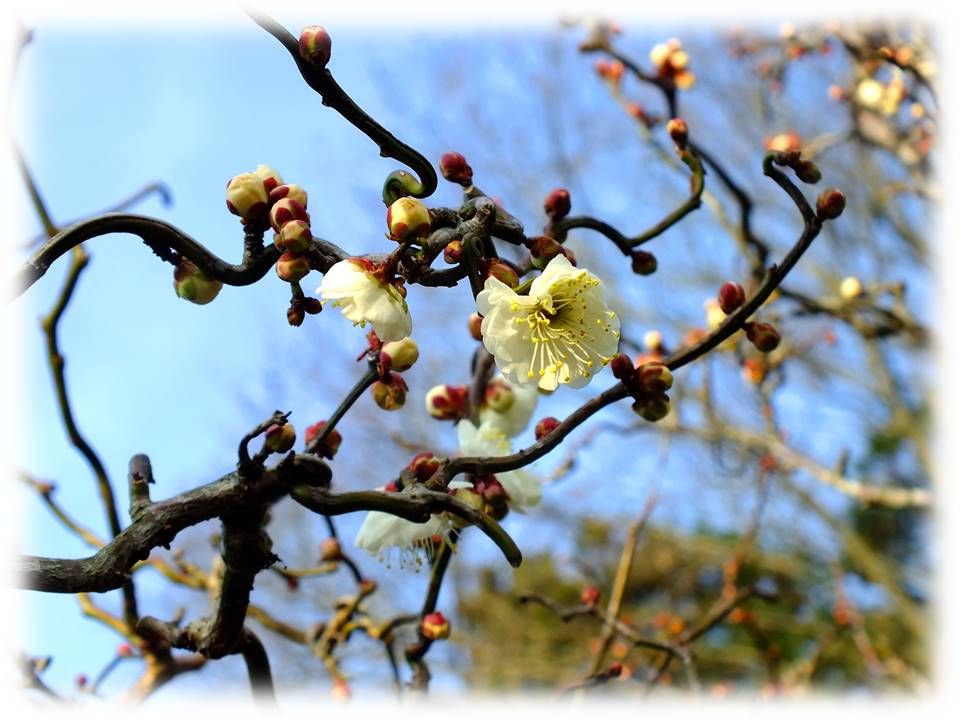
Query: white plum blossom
x=514, y=420
x=352, y=286
x=381, y=532
x=486, y=441
x=562, y=332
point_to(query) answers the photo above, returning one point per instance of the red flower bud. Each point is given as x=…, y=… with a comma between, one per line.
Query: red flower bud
x=312, y=305
x=328, y=446
x=643, y=263
x=830, y=204
x=622, y=367
x=764, y=336
x=677, y=129
x=124, y=650
x=557, y=204
x=295, y=236
x=545, y=427
x=447, y=402
x=453, y=252
x=455, y=168
x=590, y=595
x=81, y=681
x=544, y=249
x=424, y=465
x=315, y=45
x=295, y=315
x=731, y=296
x=435, y=626
x=654, y=377
x=501, y=271
x=284, y=210
x=289, y=190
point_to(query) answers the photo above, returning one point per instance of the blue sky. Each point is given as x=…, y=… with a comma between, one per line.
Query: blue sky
x=101, y=113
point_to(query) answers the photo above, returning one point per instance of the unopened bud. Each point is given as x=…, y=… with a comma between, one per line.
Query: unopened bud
x=280, y=438
x=654, y=377
x=557, y=204
x=498, y=396
x=312, y=305
x=545, y=427
x=622, y=367
x=340, y=690
x=501, y=271
x=391, y=393
x=81, y=680
x=124, y=650
x=473, y=325
x=190, y=283
x=678, y=131
x=642, y=262
x=453, y=252
x=807, y=172
x=455, y=168
x=402, y=353
x=284, y=210
x=447, y=402
x=330, y=550
x=590, y=596
x=246, y=195
x=434, y=626
x=544, y=249
x=830, y=204
x=851, y=288
x=271, y=178
x=753, y=370
x=652, y=408
x=315, y=45
x=764, y=336
x=784, y=142
x=408, y=219
x=295, y=236
x=424, y=465
x=292, y=267
x=295, y=315
x=294, y=192
x=328, y=446
x=731, y=296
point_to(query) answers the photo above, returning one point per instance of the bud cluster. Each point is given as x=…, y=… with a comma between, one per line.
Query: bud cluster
x=647, y=384
x=670, y=61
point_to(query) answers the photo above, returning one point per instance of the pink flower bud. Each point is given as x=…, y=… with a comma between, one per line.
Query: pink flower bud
x=764, y=336
x=124, y=650
x=652, y=407
x=340, y=691
x=292, y=267
x=330, y=444
x=284, y=210
x=247, y=195
x=447, y=402
x=545, y=427
x=731, y=296
x=295, y=236
x=280, y=438
x=557, y=204
x=455, y=168
x=830, y=204
x=408, y=219
x=435, y=626
x=642, y=262
x=315, y=45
